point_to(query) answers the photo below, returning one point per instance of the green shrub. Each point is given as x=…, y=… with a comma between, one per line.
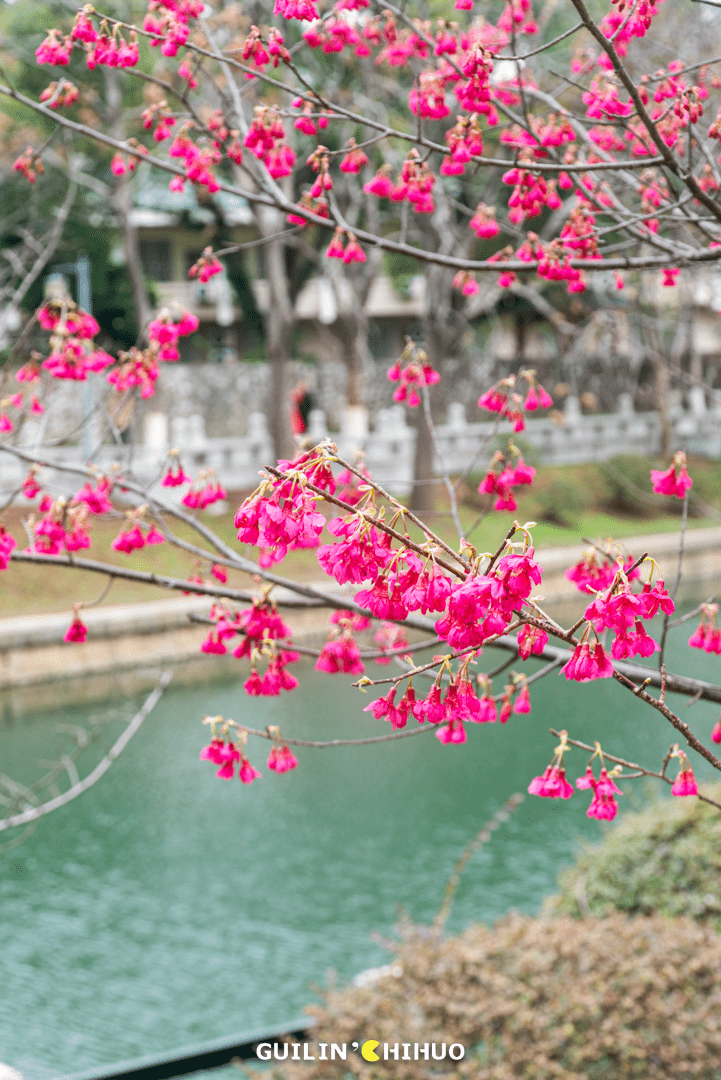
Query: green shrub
x=539, y=999
x=561, y=501
x=628, y=483
x=665, y=859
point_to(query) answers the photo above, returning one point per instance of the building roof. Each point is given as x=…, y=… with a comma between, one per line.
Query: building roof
x=155, y=205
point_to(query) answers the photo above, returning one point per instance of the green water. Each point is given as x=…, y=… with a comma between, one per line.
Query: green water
x=165, y=907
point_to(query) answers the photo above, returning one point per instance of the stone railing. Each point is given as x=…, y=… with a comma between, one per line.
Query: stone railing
x=389, y=449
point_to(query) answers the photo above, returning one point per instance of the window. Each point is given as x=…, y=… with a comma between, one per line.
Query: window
x=155, y=256
x=191, y=258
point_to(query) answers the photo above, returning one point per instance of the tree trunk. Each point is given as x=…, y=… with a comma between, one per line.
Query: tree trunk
x=662, y=388
x=424, y=494
x=351, y=328
x=441, y=336
x=279, y=321
x=122, y=202
x=358, y=356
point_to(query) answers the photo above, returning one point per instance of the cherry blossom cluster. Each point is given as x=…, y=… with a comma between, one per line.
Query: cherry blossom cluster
x=465, y=141
x=505, y=472
x=450, y=713
x=29, y=165
x=166, y=329
x=60, y=94
x=674, y=480
x=8, y=543
x=483, y=606
x=282, y=516
x=161, y=116
x=63, y=526
x=259, y=54
x=229, y=754
x=415, y=184
x=531, y=193
x=619, y=610
x=626, y=20
x=107, y=47
x=200, y=161
x=551, y=131
x=340, y=655
x=207, y=266
x=266, y=139
x=72, y=352
x=604, y=806
x=140, y=367
x=127, y=163
x=352, y=252
x=596, y=570
x=552, y=784
x=504, y=399
x=353, y=159
x=264, y=637
x=413, y=371
x=707, y=635
x=484, y=222
x=18, y=402
x=333, y=35
x=175, y=475
x=205, y=491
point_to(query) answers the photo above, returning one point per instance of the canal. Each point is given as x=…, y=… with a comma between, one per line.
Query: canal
x=165, y=907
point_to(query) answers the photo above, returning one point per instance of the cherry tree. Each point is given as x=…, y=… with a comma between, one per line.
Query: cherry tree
x=364, y=129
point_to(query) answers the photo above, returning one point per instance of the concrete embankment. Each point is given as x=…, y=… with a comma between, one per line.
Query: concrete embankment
x=131, y=636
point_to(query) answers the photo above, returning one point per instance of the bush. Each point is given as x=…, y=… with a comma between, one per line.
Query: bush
x=561, y=502
x=556, y=999
x=628, y=483
x=664, y=859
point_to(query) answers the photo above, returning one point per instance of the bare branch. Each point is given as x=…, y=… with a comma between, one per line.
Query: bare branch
x=100, y=769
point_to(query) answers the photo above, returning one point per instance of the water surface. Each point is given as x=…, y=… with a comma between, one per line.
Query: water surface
x=165, y=907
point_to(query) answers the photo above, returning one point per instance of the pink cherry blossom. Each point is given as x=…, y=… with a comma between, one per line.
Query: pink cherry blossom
x=281, y=759
x=246, y=773
x=585, y=665
x=685, y=782
x=77, y=631
x=675, y=480
x=531, y=641
x=522, y=703
x=552, y=784
x=340, y=657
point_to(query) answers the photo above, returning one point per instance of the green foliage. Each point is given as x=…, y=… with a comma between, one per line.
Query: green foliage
x=112, y=296
x=628, y=486
x=665, y=859
x=539, y=999
x=562, y=501
x=401, y=269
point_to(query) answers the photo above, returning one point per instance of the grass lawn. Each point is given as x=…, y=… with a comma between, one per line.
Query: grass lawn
x=576, y=499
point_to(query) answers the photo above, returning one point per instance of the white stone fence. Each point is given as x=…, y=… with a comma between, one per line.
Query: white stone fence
x=571, y=438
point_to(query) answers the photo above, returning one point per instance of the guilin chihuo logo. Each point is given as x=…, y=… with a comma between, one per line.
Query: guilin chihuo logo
x=370, y=1050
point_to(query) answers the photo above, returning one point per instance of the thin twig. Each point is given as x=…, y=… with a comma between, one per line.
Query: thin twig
x=639, y=770
x=481, y=838
x=100, y=769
